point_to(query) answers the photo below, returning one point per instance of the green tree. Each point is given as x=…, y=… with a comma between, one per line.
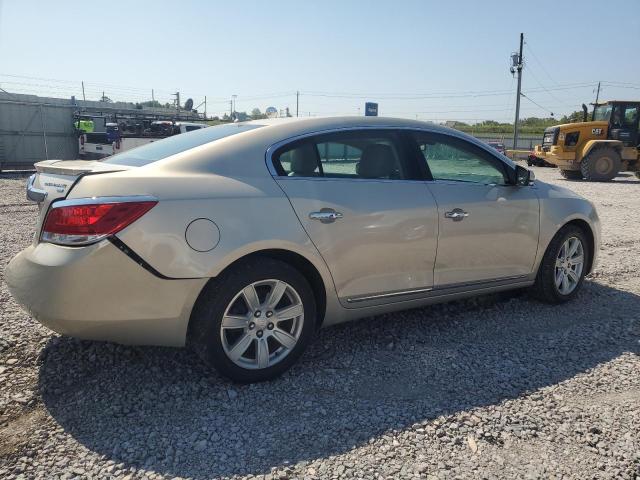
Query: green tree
x=256, y=114
x=573, y=117
x=152, y=103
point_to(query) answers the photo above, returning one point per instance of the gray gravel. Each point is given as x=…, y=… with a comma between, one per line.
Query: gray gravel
x=494, y=387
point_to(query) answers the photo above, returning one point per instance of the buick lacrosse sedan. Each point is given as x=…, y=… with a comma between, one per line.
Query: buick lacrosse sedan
x=242, y=240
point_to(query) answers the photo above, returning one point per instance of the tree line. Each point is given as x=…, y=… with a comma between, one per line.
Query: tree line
x=531, y=125
x=527, y=125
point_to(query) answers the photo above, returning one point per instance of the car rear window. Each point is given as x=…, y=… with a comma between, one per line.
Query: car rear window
x=159, y=149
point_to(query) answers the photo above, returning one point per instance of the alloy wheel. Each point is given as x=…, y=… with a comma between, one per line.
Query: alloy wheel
x=262, y=324
x=569, y=265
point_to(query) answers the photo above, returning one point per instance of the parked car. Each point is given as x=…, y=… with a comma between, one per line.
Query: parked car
x=499, y=146
x=242, y=240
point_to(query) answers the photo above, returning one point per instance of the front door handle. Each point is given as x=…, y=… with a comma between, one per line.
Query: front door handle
x=325, y=215
x=457, y=214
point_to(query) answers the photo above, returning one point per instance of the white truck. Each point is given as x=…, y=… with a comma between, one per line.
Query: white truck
x=96, y=145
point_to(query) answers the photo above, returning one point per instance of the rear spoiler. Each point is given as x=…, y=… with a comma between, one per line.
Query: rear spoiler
x=71, y=169
x=75, y=168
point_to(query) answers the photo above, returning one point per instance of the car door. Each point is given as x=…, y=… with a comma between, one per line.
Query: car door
x=488, y=228
x=360, y=199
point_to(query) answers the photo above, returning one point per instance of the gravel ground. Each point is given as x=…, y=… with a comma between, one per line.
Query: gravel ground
x=494, y=387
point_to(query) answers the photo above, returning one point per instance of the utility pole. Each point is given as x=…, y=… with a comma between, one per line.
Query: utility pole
x=153, y=98
x=518, y=63
x=231, y=109
x=297, y=102
x=83, y=97
x=593, y=115
x=177, y=95
x=205, y=107
x=233, y=106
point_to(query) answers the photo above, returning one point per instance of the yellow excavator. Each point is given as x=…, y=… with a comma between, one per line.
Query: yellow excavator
x=598, y=149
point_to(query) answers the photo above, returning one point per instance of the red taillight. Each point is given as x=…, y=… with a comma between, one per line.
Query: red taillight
x=76, y=224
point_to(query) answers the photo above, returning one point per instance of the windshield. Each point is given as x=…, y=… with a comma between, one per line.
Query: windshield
x=152, y=152
x=602, y=113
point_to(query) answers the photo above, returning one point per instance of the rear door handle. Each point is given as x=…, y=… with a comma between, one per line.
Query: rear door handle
x=326, y=215
x=457, y=214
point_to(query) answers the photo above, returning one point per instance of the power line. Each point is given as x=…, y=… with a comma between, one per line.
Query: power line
x=542, y=86
x=536, y=103
x=535, y=57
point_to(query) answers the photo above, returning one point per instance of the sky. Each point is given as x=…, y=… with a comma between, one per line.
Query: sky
x=430, y=60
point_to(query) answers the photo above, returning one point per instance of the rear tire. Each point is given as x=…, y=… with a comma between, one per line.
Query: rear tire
x=560, y=261
x=239, y=327
x=571, y=174
x=601, y=165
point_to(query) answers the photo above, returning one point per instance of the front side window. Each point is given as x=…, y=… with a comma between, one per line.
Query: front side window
x=453, y=159
x=364, y=155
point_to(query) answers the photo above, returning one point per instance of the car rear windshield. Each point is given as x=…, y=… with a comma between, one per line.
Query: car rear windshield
x=154, y=151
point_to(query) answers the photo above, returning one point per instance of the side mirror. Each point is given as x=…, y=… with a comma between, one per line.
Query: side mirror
x=524, y=177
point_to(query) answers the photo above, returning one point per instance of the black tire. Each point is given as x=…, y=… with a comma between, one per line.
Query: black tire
x=601, y=165
x=206, y=319
x=545, y=288
x=571, y=174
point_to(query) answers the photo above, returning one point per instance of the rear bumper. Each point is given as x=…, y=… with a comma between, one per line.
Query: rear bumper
x=99, y=293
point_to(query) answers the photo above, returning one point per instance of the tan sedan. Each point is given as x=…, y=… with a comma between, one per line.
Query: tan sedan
x=242, y=240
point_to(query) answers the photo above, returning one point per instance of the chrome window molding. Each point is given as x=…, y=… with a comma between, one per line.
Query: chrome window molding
x=349, y=179
x=437, y=130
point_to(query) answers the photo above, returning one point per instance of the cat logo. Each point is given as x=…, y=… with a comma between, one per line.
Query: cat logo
x=596, y=131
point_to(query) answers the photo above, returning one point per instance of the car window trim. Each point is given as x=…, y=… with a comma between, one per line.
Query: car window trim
x=405, y=158
x=493, y=160
x=389, y=134
x=273, y=148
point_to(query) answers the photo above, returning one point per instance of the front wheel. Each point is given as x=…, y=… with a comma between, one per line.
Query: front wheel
x=601, y=165
x=563, y=266
x=253, y=322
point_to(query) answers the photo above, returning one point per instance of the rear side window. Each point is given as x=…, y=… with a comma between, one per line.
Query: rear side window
x=160, y=149
x=365, y=154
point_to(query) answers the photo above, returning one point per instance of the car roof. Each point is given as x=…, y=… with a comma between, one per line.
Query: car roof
x=285, y=128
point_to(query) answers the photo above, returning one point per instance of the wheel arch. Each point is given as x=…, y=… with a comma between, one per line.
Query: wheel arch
x=297, y=261
x=588, y=232
x=592, y=145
